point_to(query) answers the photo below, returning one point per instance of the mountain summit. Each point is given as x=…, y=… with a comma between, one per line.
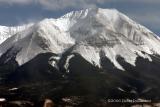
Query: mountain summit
x=90, y=32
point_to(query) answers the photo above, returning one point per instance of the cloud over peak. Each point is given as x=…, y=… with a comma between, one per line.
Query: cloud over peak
x=62, y=4
x=56, y=4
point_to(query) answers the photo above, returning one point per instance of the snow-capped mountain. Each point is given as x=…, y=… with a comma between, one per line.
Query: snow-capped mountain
x=91, y=32
x=6, y=32
x=81, y=55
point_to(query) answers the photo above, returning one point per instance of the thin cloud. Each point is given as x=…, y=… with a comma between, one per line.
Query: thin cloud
x=140, y=1
x=62, y=4
x=21, y=2
x=56, y=4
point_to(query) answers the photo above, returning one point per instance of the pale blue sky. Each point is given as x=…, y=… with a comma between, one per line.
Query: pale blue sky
x=15, y=12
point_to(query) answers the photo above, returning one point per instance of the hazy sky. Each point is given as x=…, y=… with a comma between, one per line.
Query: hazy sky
x=15, y=12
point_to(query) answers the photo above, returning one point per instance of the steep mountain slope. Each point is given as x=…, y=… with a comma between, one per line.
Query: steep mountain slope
x=6, y=32
x=91, y=32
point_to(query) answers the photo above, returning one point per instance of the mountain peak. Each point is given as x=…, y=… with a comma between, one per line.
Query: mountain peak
x=88, y=12
x=90, y=32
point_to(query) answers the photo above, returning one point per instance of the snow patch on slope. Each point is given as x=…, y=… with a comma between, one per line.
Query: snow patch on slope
x=67, y=62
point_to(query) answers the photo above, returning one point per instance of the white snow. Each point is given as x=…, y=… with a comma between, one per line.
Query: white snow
x=2, y=99
x=120, y=89
x=6, y=32
x=67, y=62
x=53, y=61
x=13, y=89
x=90, y=31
